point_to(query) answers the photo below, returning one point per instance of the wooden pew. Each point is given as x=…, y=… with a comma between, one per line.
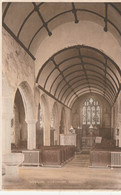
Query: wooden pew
x=56, y=155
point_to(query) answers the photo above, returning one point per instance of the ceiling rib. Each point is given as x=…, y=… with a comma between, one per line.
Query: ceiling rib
x=89, y=75
x=110, y=91
x=93, y=91
x=49, y=77
x=74, y=12
x=65, y=85
x=54, y=69
x=95, y=85
x=45, y=24
x=84, y=10
x=81, y=59
x=21, y=27
x=93, y=78
x=36, y=8
x=18, y=41
x=105, y=72
x=63, y=76
x=61, y=80
x=115, y=8
x=86, y=92
x=106, y=18
x=49, y=94
x=5, y=12
x=24, y=22
x=101, y=69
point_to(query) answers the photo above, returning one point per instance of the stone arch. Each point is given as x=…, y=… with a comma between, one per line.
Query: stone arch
x=46, y=119
x=19, y=125
x=7, y=114
x=27, y=97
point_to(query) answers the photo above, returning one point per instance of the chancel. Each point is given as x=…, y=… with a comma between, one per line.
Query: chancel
x=61, y=95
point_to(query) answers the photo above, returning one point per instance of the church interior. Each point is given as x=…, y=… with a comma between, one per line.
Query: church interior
x=61, y=95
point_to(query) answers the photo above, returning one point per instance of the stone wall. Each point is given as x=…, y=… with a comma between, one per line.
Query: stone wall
x=19, y=72
x=18, y=66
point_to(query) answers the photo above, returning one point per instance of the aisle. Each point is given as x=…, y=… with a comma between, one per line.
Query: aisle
x=80, y=160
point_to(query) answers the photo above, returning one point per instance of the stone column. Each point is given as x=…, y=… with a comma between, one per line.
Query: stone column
x=31, y=134
x=47, y=134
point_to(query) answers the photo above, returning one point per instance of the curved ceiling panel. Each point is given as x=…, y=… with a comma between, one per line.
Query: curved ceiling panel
x=29, y=22
x=80, y=69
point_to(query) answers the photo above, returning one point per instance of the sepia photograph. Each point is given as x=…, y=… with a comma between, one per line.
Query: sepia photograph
x=61, y=96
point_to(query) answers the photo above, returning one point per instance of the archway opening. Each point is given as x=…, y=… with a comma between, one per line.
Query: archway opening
x=18, y=124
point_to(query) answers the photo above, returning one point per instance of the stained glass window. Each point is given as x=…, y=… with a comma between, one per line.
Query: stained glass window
x=91, y=112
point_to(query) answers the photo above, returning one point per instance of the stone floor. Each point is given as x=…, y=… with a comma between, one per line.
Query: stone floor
x=74, y=175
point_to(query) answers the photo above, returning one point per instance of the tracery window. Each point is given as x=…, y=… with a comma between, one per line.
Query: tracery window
x=91, y=112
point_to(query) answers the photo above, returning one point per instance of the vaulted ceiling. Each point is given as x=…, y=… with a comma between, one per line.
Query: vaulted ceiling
x=29, y=23
x=76, y=70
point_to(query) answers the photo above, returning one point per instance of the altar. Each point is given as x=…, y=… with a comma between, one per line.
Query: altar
x=88, y=142
x=88, y=138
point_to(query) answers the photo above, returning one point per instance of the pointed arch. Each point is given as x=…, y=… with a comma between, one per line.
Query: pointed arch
x=28, y=101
